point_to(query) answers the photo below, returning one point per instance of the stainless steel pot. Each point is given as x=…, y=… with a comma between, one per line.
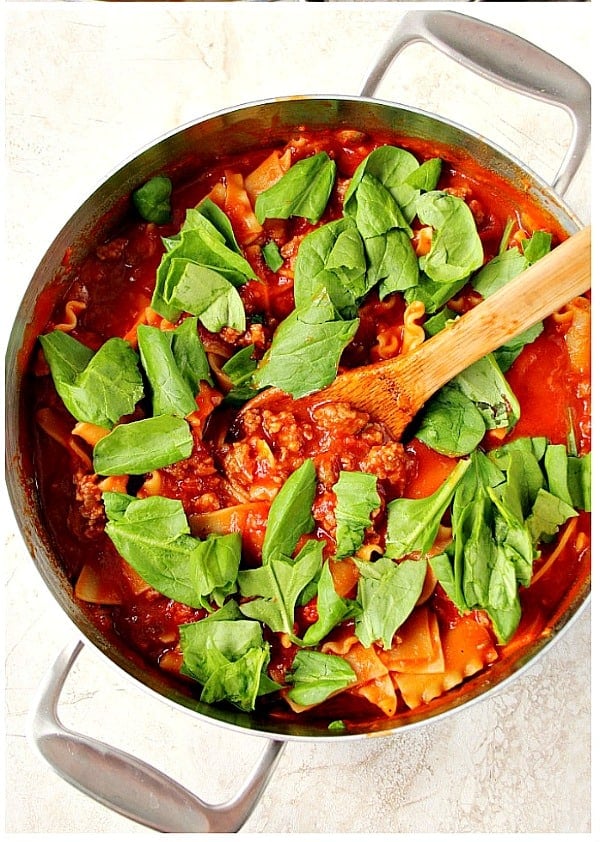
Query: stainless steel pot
x=113, y=778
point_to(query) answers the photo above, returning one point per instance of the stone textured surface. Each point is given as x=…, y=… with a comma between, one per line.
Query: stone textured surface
x=88, y=84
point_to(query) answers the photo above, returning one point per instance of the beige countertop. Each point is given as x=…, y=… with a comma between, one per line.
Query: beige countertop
x=86, y=86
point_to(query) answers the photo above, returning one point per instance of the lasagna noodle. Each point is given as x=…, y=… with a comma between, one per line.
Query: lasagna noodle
x=413, y=334
x=72, y=310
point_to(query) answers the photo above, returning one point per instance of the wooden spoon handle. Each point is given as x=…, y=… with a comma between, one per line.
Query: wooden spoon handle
x=545, y=287
x=393, y=391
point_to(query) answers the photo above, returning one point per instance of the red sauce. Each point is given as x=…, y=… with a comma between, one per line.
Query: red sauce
x=123, y=270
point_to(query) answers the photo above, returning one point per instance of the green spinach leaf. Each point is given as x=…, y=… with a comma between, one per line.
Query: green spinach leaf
x=315, y=676
x=98, y=388
x=277, y=585
x=331, y=609
x=153, y=536
x=387, y=593
x=456, y=249
x=290, y=515
x=227, y=655
x=303, y=190
x=170, y=391
x=306, y=349
x=143, y=446
x=153, y=200
x=356, y=500
x=451, y=423
x=413, y=524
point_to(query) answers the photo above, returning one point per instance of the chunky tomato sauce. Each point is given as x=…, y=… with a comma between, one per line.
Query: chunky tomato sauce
x=244, y=462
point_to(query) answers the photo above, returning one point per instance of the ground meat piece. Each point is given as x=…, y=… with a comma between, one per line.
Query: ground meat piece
x=112, y=250
x=388, y=462
x=340, y=417
x=284, y=430
x=324, y=511
x=91, y=508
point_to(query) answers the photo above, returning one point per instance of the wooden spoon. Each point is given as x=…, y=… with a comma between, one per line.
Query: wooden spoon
x=393, y=391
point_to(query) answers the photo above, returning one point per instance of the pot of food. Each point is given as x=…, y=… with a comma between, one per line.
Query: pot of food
x=292, y=570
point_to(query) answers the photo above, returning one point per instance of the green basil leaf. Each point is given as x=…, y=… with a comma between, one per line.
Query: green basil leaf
x=306, y=349
x=331, y=609
x=315, y=676
x=387, y=593
x=356, y=500
x=456, y=249
x=272, y=256
x=331, y=257
x=152, y=535
x=153, y=200
x=143, y=446
x=303, y=190
x=170, y=392
x=413, y=524
x=290, y=515
x=451, y=423
x=98, y=388
x=276, y=587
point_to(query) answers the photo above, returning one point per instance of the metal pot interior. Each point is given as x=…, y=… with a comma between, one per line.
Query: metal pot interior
x=179, y=155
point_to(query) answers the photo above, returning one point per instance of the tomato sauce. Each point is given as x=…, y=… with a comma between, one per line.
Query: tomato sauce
x=116, y=283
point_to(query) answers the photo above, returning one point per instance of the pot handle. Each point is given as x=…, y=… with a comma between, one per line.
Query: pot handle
x=503, y=58
x=128, y=785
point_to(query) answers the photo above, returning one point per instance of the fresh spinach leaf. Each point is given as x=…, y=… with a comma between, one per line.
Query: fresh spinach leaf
x=205, y=293
x=536, y=246
x=392, y=260
x=392, y=168
x=451, y=423
x=413, y=524
x=508, y=353
x=426, y=176
x=331, y=609
x=240, y=369
x=142, y=446
x=220, y=221
x=374, y=209
x=98, y=388
x=331, y=257
x=433, y=295
x=306, y=349
x=189, y=354
x=272, y=256
x=485, y=385
x=303, y=190
x=170, y=392
x=153, y=536
x=499, y=271
x=290, y=515
x=548, y=513
x=153, y=200
x=316, y=675
x=356, y=500
x=227, y=655
x=387, y=593
x=456, y=249
x=277, y=585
